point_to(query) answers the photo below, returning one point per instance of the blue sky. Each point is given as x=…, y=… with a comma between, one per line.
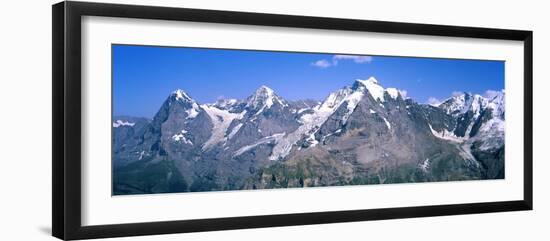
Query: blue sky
x=144, y=76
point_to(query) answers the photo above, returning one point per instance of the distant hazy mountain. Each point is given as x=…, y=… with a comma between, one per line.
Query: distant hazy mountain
x=360, y=134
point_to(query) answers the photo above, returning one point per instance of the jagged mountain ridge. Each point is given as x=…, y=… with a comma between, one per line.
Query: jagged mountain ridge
x=360, y=134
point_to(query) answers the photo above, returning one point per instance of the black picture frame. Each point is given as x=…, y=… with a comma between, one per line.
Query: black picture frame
x=66, y=159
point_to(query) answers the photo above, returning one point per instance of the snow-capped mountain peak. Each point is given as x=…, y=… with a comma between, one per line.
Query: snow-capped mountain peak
x=464, y=102
x=266, y=140
x=180, y=95
x=189, y=104
x=263, y=98
x=335, y=99
x=497, y=104
x=478, y=103
x=455, y=103
x=371, y=80
x=376, y=90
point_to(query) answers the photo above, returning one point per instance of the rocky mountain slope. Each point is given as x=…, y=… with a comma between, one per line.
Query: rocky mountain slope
x=360, y=134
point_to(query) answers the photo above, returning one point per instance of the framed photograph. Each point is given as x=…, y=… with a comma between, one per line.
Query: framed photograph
x=171, y=120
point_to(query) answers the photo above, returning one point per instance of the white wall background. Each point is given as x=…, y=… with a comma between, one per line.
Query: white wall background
x=25, y=124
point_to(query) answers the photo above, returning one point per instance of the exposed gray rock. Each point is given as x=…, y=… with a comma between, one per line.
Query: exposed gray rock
x=362, y=134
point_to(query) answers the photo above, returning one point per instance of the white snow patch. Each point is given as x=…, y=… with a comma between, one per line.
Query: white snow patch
x=494, y=124
x=264, y=97
x=119, y=123
x=330, y=134
x=497, y=105
x=193, y=112
x=352, y=100
x=447, y=135
x=234, y=131
x=372, y=111
x=333, y=101
x=141, y=154
x=463, y=146
x=231, y=101
x=181, y=137
x=387, y=123
x=375, y=90
x=469, y=129
x=460, y=104
x=221, y=119
x=492, y=133
x=311, y=139
x=181, y=95
x=393, y=92
x=425, y=165
x=312, y=121
x=266, y=139
x=466, y=153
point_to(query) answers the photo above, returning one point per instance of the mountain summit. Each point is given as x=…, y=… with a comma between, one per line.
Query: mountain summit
x=359, y=134
x=464, y=102
x=263, y=98
x=180, y=95
x=376, y=90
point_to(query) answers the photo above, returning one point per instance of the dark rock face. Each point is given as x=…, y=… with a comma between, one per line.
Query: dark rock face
x=363, y=134
x=128, y=135
x=491, y=160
